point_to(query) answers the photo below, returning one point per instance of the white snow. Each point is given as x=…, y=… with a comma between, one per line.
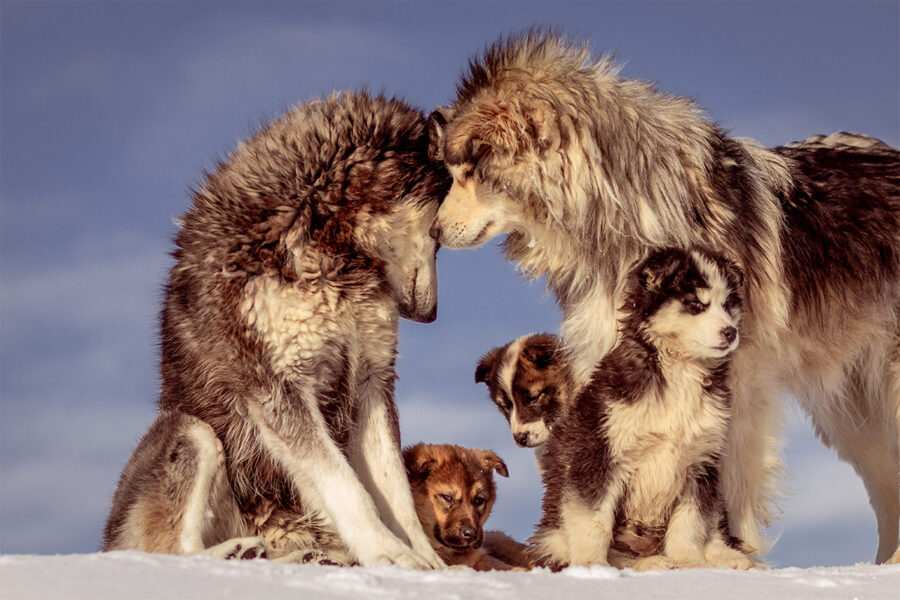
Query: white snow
x=136, y=575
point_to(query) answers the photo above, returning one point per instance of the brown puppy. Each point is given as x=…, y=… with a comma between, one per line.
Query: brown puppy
x=529, y=382
x=453, y=489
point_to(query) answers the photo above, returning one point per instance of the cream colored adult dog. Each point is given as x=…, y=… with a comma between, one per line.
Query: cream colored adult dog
x=278, y=433
x=587, y=172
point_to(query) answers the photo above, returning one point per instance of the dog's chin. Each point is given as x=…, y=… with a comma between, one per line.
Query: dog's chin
x=714, y=352
x=467, y=239
x=457, y=546
x=411, y=311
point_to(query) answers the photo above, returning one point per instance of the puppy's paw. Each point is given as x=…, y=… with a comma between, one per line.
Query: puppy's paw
x=652, y=563
x=722, y=556
x=733, y=560
x=247, y=548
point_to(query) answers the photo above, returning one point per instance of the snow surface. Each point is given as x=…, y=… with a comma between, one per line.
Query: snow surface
x=136, y=575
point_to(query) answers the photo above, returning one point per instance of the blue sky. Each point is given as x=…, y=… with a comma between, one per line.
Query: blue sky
x=110, y=112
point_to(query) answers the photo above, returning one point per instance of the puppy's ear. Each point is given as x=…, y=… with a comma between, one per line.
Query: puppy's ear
x=492, y=462
x=485, y=368
x=657, y=271
x=733, y=273
x=540, y=351
x=418, y=463
x=437, y=121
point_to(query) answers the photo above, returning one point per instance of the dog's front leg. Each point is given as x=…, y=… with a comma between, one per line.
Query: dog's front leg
x=375, y=453
x=296, y=436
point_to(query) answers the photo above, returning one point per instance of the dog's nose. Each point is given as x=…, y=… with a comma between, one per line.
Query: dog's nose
x=521, y=438
x=435, y=231
x=729, y=333
x=467, y=533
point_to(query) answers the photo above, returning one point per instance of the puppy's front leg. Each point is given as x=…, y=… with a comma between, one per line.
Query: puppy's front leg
x=297, y=437
x=375, y=453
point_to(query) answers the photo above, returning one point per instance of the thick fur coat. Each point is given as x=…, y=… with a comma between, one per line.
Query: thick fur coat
x=279, y=334
x=587, y=172
x=631, y=468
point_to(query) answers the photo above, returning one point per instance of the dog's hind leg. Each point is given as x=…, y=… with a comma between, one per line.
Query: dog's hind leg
x=375, y=454
x=174, y=495
x=867, y=438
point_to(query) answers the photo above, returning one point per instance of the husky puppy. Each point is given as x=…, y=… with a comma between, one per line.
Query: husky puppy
x=634, y=464
x=453, y=490
x=587, y=172
x=529, y=382
x=277, y=429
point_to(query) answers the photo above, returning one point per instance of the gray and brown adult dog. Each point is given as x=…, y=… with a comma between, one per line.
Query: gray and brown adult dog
x=277, y=431
x=587, y=172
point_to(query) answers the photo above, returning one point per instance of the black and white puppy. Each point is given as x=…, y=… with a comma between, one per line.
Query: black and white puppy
x=529, y=382
x=631, y=468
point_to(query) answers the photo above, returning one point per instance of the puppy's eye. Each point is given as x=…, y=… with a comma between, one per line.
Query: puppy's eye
x=732, y=302
x=478, y=501
x=447, y=498
x=694, y=306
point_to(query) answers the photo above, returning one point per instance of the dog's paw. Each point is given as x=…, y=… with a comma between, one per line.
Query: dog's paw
x=396, y=553
x=721, y=556
x=312, y=557
x=652, y=563
x=732, y=560
x=247, y=548
x=431, y=557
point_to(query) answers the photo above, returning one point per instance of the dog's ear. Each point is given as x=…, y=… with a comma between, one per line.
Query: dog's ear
x=659, y=268
x=492, y=462
x=733, y=273
x=418, y=463
x=540, y=350
x=493, y=125
x=485, y=368
x=437, y=121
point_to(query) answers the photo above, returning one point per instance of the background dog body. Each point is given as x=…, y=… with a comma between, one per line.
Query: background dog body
x=278, y=343
x=587, y=172
x=453, y=490
x=633, y=465
x=528, y=381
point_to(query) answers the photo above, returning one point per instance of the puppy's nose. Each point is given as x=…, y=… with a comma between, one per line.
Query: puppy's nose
x=729, y=333
x=521, y=438
x=435, y=230
x=467, y=533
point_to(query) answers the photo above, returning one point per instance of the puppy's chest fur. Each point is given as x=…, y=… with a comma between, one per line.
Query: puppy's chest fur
x=660, y=438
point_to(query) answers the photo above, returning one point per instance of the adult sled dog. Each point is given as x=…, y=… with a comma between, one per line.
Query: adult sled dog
x=587, y=172
x=277, y=431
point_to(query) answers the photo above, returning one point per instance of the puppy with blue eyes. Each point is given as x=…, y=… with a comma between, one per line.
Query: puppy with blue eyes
x=631, y=467
x=529, y=382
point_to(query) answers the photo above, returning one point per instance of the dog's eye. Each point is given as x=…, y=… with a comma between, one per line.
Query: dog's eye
x=732, y=301
x=447, y=498
x=694, y=306
x=478, y=501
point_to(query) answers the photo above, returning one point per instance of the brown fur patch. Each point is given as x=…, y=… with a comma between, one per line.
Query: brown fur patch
x=453, y=489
